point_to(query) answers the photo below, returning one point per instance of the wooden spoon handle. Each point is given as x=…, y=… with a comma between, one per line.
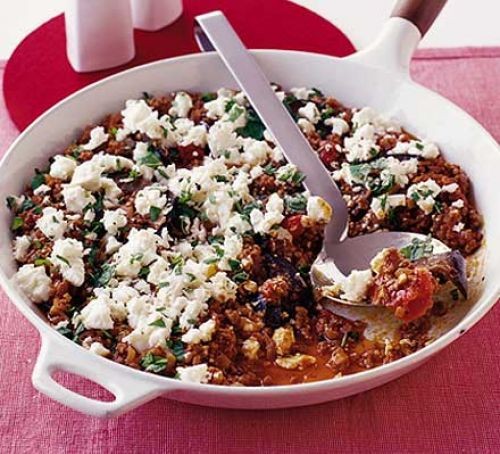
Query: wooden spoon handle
x=421, y=13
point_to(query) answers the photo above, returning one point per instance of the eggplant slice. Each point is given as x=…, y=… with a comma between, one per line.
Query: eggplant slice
x=449, y=266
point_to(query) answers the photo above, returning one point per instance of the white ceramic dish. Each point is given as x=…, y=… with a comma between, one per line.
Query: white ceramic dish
x=377, y=77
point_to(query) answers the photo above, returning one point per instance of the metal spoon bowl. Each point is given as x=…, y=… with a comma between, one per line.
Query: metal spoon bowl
x=356, y=254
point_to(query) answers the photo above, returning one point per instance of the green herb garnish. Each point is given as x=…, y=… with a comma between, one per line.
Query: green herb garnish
x=418, y=249
x=254, y=127
x=17, y=223
x=63, y=259
x=207, y=97
x=37, y=180
x=240, y=277
x=154, y=363
x=160, y=323
x=40, y=262
x=154, y=213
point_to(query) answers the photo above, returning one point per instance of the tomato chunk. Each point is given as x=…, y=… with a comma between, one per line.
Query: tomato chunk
x=294, y=225
x=416, y=298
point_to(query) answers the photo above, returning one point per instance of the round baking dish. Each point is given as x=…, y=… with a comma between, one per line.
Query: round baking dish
x=376, y=77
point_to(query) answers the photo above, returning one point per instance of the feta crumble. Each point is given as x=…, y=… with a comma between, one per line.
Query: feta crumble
x=52, y=223
x=33, y=282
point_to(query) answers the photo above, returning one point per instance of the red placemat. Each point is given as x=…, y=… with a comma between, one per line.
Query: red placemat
x=38, y=73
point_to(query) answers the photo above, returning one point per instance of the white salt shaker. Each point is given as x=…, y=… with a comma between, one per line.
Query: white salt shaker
x=151, y=15
x=99, y=34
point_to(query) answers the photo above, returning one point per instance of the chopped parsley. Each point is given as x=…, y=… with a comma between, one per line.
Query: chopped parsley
x=295, y=204
x=107, y=272
x=143, y=272
x=154, y=363
x=418, y=249
x=63, y=259
x=154, y=213
x=37, y=180
x=207, y=97
x=177, y=348
x=151, y=159
x=234, y=264
x=229, y=105
x=17, y=223
x=40, y=262
x=292, y=175
x=254, y=127
x=134, y=174
x=159, y=322
x=240, y=277
x=236, y=112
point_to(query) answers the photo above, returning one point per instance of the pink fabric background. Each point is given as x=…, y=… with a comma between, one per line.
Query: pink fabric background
x=451, y=404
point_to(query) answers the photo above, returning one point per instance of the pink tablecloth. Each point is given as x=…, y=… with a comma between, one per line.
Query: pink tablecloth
x=452, y=403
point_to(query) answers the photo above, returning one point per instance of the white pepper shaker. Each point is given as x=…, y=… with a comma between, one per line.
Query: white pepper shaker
x=151, y=15
x=99, y=34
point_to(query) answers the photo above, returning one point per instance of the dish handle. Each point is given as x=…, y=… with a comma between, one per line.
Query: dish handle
x=57, y=355
x=393, y=49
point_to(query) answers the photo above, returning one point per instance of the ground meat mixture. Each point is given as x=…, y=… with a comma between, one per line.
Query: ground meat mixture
x=173, y=237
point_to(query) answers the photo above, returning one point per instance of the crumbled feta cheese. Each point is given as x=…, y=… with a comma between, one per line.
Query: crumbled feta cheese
x=33, y=282
x=250, y=349
x=201, y=334
x=360, y=149
x=88, y=175
x=148, y=198
x=400, y=170
x=67, y=255
x=306, y=126
x=197, y=135
x=52, y=223
x=458, y=203
x=113, y=220
x=302, y=93
x=98, y=349
x=112, y=245
x=139, y=251
x=430, y=151
x=458, y=227
x=256, y=152
x=222, y=138
x=310, y=112
x=380, y=205
x=193, y=374
x=355, y=286
x=423, y=194
x=97, y=138
x=426, y=150
x=89, y=216
x=21, y=246
x=339, y=126
x=77, y=198
x=367, y=115
x=138, y=116
x=452, y=187
x=318, y=209
x=96, y=314
x=216, y=108
x=221, y=287
x=273, y=216
x=121, y=134
x=112, y=192
x=62, y=167
x=181, y=105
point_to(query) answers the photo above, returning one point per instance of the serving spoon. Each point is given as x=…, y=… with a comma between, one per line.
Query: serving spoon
x=340, y=255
